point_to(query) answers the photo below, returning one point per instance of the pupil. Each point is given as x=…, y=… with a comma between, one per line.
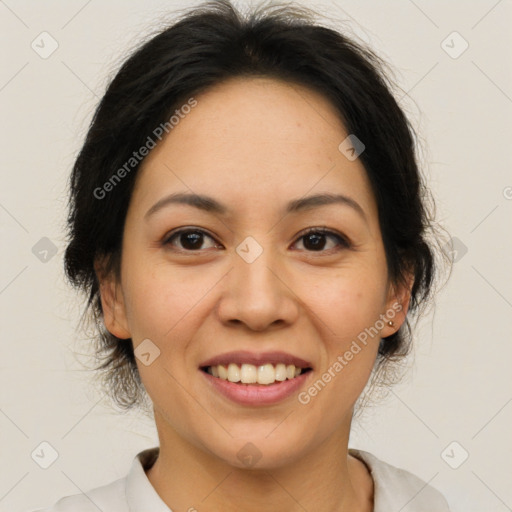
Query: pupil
x=194, y=237
x=317, y=242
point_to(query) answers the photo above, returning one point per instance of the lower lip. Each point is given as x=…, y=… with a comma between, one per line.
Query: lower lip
x=257, y=394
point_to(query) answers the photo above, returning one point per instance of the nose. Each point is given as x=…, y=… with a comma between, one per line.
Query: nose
x=258, y=294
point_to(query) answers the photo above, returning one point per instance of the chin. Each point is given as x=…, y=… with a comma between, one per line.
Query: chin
x=257, y=452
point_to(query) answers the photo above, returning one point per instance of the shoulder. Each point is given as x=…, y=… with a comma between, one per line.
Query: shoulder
x=395, y=487
x=109, y=497
x=132, y=492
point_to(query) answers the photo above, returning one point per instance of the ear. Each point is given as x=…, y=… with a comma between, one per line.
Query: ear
x=397, y=305
x=112, y=301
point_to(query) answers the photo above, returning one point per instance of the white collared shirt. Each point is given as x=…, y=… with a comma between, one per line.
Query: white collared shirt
x=394, y=489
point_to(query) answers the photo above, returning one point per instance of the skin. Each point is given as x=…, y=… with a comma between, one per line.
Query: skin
x=253, y=145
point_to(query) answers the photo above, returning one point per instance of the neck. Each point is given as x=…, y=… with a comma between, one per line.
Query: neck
x=326, y=479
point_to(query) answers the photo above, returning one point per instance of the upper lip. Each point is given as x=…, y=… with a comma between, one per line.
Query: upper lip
x=245, y=357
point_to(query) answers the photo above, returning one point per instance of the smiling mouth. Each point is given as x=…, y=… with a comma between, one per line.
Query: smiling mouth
x=248, y=374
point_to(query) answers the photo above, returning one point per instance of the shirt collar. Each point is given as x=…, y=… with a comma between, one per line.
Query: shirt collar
x=140, y=494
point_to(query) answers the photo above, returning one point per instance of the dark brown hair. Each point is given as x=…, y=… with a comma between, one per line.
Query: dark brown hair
x=207, y=45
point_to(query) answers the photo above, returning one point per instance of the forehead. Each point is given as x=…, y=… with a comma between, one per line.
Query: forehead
x=258, y=102
x=256, y=139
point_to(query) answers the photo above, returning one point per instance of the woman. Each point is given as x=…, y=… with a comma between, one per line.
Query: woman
x=248, y=220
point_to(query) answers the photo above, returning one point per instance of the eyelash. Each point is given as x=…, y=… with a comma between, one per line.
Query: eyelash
x=343, y=242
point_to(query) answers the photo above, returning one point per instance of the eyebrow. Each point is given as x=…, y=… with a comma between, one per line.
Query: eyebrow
x=209, y=204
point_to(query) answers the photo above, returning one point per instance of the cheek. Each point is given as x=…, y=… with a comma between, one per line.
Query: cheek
x=348, y=302
x=347, y=311
x=164, y=308
x=165, y=302
x=155, y=305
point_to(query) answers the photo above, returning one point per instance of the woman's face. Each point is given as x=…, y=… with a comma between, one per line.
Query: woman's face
x=245, y=277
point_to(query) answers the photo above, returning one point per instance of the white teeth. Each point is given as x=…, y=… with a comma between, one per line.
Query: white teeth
x=266, y=374
x=251, y=374
x=223, y=372
x=280, y=372
x=233, y=373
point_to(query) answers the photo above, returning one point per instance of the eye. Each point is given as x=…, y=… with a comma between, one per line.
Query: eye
x=314, y=240
x=190, y=239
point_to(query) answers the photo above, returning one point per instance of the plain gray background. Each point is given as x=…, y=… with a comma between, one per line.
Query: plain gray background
x=458, y=387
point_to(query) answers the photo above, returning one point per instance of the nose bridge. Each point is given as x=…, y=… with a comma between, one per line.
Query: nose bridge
x=255, y=269
x=256, y=295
